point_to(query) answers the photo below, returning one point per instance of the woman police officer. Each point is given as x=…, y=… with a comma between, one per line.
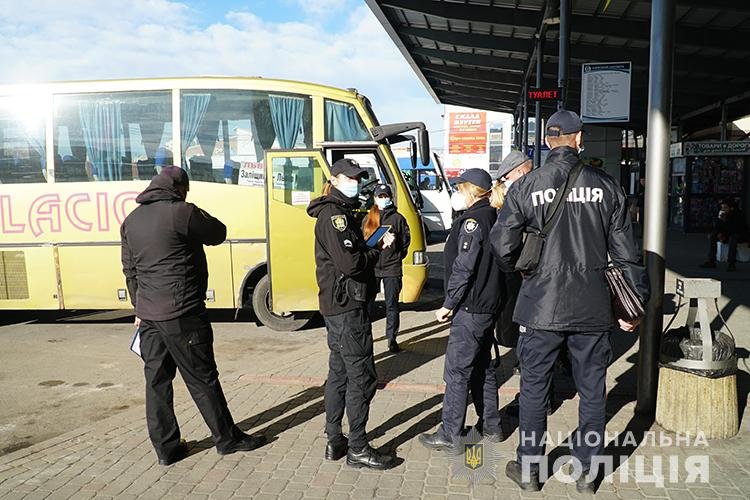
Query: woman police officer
x=388, y=268
x=473, y=289
x=344, y=265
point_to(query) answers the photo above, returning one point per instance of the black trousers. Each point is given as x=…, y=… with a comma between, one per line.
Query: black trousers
x=186, y=344
x=351, y=379
x=468, y=368
x=391, y=290
x=590, y=354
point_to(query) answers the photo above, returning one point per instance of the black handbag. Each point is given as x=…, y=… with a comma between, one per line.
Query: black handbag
x=531, y=254
x=626, y=304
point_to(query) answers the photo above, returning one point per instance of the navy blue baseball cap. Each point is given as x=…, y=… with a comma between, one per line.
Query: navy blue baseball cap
x=382, y=189
x=349, y=168
x=477, y=176
x=564, y=122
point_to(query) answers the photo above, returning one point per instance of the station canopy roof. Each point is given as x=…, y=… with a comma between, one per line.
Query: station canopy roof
x=477, y=53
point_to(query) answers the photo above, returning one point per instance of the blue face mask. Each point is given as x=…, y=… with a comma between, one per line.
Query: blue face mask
x=383, y=203
x=349, y=189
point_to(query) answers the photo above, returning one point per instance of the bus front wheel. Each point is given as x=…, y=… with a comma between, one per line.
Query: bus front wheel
x=284, y=322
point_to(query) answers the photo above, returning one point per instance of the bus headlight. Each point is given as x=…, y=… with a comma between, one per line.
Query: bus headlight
x=420, y=258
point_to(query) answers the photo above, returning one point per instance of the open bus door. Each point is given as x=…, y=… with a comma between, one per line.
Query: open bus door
x=289, y=297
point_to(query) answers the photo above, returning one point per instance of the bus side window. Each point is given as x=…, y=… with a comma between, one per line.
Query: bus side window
x=297, y=180
x=114, y=136
x=225, y=133
x=22, y=144
x=343, y=123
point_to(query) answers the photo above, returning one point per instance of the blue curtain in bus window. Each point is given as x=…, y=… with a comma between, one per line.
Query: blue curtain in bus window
x=343, y=123
x=286, y=114
x=101, y=122
x=194, y=108
x=37, y=145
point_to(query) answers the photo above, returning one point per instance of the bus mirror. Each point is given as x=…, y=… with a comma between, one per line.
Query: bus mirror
x=413, y=152
x=424, y=146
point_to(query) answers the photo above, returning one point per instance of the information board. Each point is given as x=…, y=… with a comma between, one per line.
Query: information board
x=605, y=92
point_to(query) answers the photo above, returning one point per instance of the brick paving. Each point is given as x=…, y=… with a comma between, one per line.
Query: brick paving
x=284, y=400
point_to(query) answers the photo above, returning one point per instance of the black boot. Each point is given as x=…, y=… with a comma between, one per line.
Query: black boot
x=180, y=453
x=515, y=473
x=585, y=483
x=369, y=458
x=393, y=346
x=336, y=448
x=245, y=443
x=436, y=441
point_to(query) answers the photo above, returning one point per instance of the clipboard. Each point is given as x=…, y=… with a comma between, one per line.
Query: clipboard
x=135, y=344
x=375, y=237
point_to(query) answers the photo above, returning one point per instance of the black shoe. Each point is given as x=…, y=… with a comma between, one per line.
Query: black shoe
x=437, y=442
x=369, y=458
x=708, y=265
x=585, y=484
x=180, y=453
x=336, y=448
x=394, y=347
x=247, y=443
x=514, y=472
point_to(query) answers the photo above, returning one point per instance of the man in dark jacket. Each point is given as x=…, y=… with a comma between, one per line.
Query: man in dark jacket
x=730, y=229
x=388, y=268
x=566, y=298
x=167, y=275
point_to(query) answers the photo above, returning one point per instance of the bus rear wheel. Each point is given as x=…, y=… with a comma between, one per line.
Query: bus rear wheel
x=285, y=322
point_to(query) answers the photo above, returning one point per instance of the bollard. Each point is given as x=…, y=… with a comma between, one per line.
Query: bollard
x=698, y=370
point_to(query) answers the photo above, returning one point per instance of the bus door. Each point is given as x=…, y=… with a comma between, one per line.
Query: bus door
x=294, y=178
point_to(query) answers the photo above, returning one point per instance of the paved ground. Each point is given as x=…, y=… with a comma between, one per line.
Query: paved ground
x=274, y=385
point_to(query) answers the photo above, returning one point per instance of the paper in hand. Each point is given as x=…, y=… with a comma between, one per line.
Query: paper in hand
x=135, y=345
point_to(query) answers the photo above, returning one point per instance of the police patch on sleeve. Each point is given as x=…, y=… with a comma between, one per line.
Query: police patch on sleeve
x=348, y=243
x=339, y=222
x=466, y=245
x=470, y=225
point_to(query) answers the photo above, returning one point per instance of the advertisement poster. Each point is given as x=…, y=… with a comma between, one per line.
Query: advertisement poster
x=475, y=138
x=468, y=133
x=605, y=92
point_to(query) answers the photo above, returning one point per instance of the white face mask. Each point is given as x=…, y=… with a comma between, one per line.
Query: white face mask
x=383, y=203
x=349, y=187
x=458, y=201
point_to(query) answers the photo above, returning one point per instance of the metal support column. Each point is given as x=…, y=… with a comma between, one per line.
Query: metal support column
x=657, y=182
x=564, y=54
x=723, y=125
x=538, y=105
x=525, y=123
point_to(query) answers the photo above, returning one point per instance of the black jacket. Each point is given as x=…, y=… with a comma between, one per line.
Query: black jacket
x=568, y=291
x=162, y=253
x=473, y=280
x=339, y=250
x=389, y=263
x=734, y=224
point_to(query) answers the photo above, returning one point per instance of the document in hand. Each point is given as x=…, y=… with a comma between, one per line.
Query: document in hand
x=135, y=345
x=375, y=238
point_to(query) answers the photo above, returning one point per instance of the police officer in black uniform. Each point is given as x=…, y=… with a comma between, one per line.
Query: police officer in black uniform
x=565, y=300
x=388, y=269
x=473, y=295
x=344, y=266
x=166, y=274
